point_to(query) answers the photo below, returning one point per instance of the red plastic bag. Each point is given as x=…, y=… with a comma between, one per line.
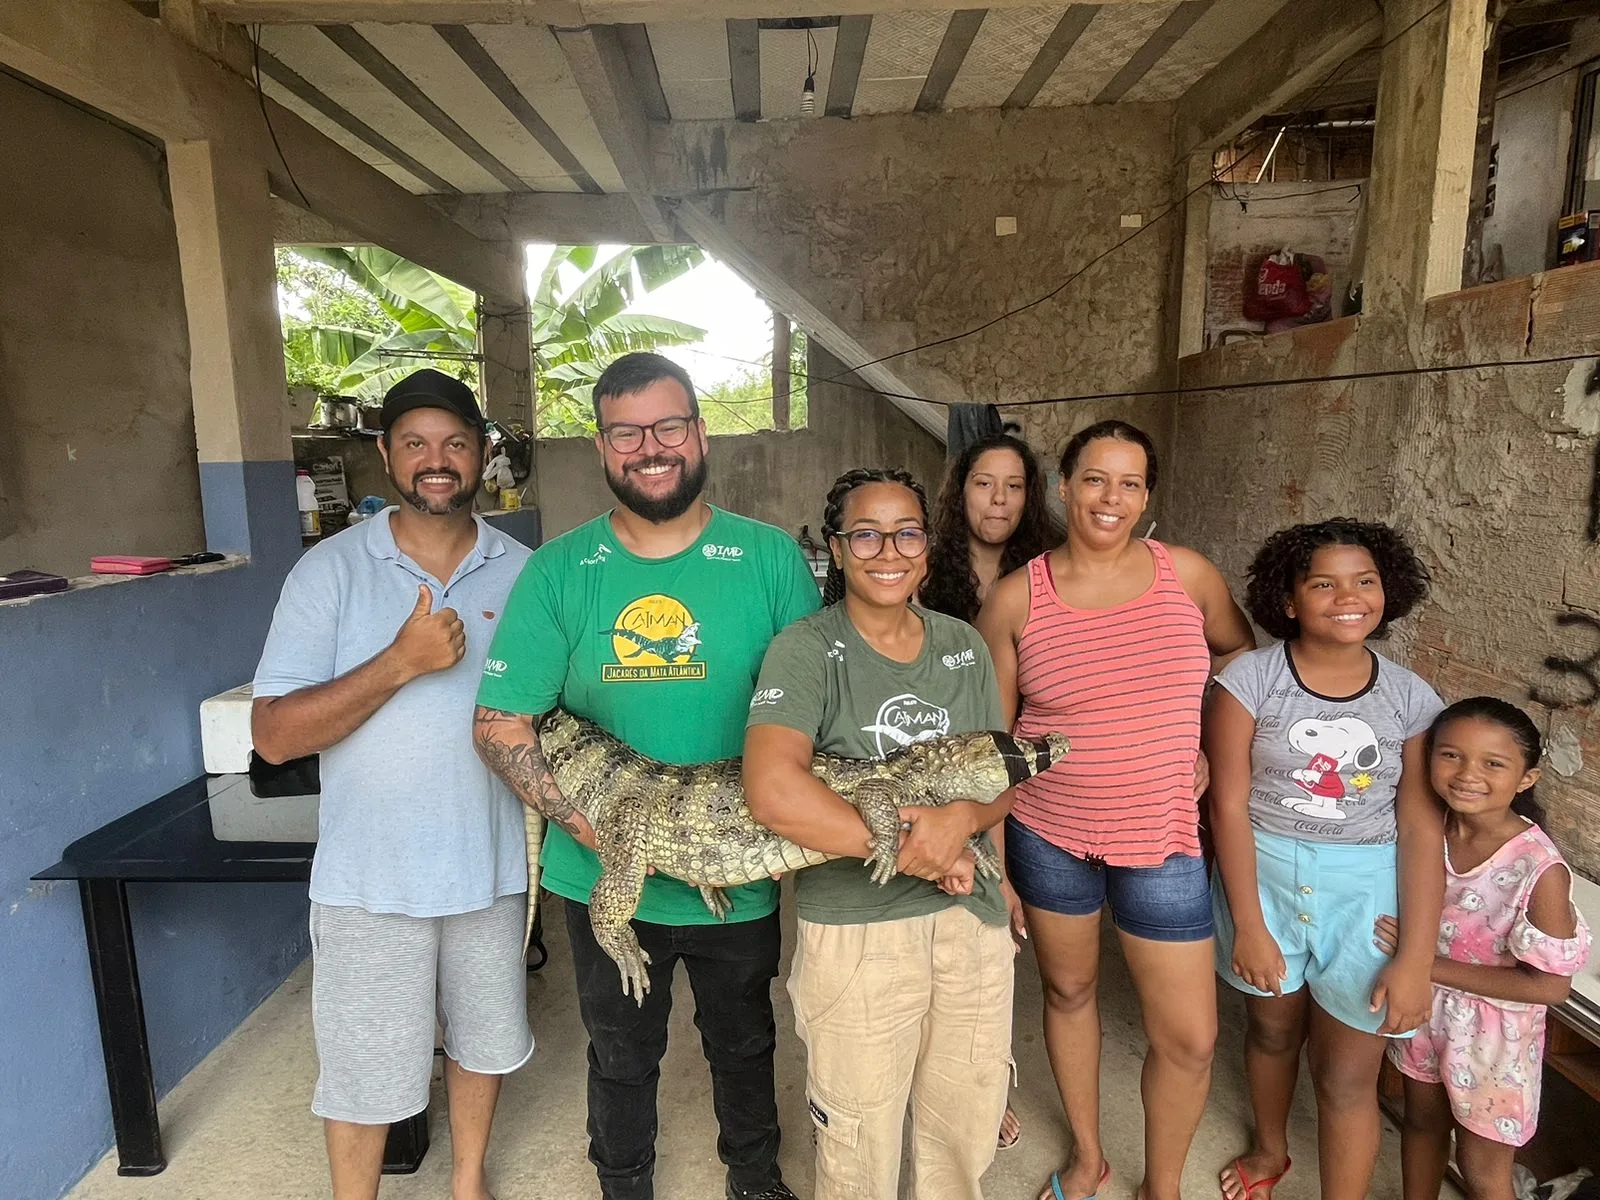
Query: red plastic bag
x=1279, y=292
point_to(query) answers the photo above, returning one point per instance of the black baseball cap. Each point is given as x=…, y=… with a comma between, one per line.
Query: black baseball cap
x=428, y=388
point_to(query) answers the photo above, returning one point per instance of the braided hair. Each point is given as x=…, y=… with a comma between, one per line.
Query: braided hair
x=833, y=515
x=951, y=586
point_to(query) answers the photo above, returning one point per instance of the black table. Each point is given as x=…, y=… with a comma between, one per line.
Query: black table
x=169, y=841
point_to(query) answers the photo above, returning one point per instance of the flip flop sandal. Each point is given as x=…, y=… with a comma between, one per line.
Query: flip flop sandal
x=1251, y=1185
x=1001, y=1143
x=1058, y=1194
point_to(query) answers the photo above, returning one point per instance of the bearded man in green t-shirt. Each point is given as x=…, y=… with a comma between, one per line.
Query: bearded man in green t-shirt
x=651, y=620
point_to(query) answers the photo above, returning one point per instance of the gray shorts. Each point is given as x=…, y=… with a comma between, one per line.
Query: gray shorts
x=380, y=981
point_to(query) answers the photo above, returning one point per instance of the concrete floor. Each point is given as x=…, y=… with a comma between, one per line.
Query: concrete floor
x=239, y=1127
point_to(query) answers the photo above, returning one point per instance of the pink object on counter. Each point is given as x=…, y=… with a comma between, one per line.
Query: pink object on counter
x=128, y=564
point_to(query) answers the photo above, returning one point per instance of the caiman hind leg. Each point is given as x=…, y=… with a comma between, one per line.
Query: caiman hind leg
x=878, y=802
x=615, y=897
x=611, y=907
x=716, y=900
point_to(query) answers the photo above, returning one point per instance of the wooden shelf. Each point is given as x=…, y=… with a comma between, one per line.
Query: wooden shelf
x=1570, y=1051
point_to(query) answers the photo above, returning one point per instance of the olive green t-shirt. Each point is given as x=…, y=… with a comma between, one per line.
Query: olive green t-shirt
x=822, y=678
x=660, y=652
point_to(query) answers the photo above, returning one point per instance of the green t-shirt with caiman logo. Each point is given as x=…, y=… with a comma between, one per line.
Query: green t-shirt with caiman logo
x=662, y=653
x=822, y=678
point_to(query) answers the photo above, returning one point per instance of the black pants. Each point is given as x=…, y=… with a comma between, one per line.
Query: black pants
x=731, y=968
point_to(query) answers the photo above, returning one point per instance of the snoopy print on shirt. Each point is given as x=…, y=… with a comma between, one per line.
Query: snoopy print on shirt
x=1337, y=748
x=1326, y=768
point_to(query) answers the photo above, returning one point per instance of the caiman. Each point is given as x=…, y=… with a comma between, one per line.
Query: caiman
x=691, y=822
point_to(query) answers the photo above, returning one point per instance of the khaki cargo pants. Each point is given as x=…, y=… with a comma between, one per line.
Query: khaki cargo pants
x=913, y=1012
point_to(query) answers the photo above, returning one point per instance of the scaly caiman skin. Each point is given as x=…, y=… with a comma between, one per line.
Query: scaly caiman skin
x=691, y=822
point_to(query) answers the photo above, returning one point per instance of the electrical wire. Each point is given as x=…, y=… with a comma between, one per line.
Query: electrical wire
x=261, y=99
x=1146, y=393
x=1541, y=81
x=844, y=382
x=1260, y=384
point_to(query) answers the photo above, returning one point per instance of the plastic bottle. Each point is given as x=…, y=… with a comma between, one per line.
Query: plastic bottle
x=305, y=493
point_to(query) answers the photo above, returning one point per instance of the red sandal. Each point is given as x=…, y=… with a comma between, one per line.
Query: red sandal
x=1251, y=1185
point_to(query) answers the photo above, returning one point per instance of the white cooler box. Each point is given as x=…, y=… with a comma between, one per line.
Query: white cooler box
x=225, y=732
x=237, y=813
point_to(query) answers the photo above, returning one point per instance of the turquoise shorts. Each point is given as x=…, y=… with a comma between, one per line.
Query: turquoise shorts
x=1320, y=900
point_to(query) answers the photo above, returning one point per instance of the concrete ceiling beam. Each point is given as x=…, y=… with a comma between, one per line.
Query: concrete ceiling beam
x=296, y=226
x=1300, y=48
x=563, y=12
x=715, y=237
x=849, y=51
x=565, y=218
x=339, y=186
x=600, y=66
x=103, y=53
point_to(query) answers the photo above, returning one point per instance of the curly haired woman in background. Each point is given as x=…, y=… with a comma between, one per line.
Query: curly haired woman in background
x=989, y=520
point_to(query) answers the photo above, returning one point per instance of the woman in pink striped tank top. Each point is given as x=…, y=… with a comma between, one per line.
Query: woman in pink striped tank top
x=1110, y=639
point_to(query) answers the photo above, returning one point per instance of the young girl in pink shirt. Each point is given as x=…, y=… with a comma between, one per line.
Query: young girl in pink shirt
x=1509, y=942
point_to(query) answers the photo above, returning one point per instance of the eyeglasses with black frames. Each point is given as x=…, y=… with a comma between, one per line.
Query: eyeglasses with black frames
x=909, y=542
x=669, y=433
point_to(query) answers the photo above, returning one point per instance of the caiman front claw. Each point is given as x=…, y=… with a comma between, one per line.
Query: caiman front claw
x=884, y=861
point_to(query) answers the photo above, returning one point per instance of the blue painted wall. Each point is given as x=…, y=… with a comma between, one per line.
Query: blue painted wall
x=100, y=691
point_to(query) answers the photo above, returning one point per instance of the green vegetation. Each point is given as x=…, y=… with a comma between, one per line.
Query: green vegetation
x=578, y=330
x=356, y=320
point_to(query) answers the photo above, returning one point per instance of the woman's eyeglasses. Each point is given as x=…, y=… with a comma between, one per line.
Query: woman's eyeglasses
x=669, y=432
x=910, y=542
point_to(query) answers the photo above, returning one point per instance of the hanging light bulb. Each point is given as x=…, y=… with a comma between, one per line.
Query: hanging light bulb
x=808, y=93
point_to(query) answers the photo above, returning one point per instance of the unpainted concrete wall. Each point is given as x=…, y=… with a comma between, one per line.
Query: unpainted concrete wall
x=780, y=478
x=1489, y=471
x=887, y=224
x=98, y=448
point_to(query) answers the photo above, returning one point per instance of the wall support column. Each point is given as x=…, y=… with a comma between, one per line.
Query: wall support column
x=1196, y=253
x=1422, y=159
x=503, y=340
x=782, y=381
x=223, y=214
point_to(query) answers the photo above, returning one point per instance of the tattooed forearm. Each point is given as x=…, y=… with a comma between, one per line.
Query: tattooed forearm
x=507, y=743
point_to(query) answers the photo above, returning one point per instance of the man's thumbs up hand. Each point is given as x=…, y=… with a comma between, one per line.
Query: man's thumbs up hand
x=429, y=641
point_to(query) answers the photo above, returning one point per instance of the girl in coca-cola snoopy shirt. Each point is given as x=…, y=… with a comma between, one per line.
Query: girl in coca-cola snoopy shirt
x=1322, y=822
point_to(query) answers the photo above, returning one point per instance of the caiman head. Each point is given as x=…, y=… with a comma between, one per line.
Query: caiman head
x=979, y=766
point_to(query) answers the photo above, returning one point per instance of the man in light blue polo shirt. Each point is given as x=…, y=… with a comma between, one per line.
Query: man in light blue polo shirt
x=419, y=885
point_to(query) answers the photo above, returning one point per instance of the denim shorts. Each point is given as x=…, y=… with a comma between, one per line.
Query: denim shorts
x=1169, y=903
x=1319, y=900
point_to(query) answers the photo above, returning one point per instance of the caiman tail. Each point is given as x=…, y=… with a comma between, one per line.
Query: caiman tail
x=533, y=831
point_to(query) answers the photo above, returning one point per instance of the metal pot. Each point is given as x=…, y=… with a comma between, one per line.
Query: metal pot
x=340, y=413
